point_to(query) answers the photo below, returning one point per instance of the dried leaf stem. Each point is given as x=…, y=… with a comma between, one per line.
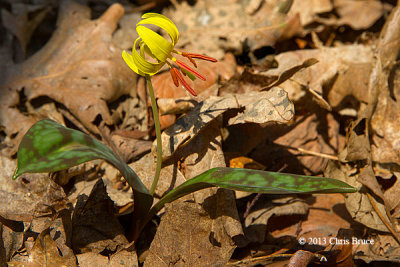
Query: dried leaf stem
x=385, y=222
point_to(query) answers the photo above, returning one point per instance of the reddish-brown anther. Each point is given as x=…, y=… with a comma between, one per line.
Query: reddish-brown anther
x=191, y=56
x=174, y=77
x=177, y=75
x=184, y=66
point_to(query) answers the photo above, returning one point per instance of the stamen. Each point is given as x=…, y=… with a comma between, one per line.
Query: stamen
x=184, y=66
x=203, y=57
x=184, y=83
x=174, y=78
x=190, y=59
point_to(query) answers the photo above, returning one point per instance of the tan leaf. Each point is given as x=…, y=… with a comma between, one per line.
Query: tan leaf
x=202, y=238
x=259, y=107
x=45, y=253
x=79, y=67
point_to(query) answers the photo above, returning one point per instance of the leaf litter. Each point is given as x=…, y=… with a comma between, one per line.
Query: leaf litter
x=330, y=109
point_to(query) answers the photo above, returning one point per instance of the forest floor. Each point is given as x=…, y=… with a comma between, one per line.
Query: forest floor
x=301, y=86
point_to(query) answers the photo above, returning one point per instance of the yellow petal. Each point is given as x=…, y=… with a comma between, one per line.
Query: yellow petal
x=129, y=61
x=140, y=65
x=162, y=22
x=157, y=44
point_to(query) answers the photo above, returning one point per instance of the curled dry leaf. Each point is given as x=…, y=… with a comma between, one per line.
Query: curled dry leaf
x=258, y=107
x=357, y=14
x=309, y=9
x=79, y=67
x=385, y=124
x=12, y=238
x=358, y=204
x=332, y=62
x=94, y=225
x=293, y=145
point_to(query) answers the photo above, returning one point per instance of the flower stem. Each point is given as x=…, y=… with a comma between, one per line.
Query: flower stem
x=158, y=134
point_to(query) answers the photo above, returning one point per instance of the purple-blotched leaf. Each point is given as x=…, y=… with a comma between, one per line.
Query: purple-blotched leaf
x=49, y=146
x=255, y=181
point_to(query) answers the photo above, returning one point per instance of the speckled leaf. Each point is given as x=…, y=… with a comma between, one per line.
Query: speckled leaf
x=257, y=182
x=49, y=147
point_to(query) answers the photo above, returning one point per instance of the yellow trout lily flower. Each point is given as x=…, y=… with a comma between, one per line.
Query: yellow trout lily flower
x=160, y=50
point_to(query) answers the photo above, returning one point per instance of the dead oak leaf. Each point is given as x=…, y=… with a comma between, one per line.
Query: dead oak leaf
x=79, y=67
x=258, y=107
x=212, y=27
x=45, y=253
x=386, y=128
x=188, y=236
x=332, y=62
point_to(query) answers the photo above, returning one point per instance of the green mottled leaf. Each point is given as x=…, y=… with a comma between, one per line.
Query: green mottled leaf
x=257, y=182
x=49, y=146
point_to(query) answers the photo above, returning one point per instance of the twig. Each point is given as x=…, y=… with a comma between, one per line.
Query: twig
x=388, y=226
x=313, y=153
x=268, y=257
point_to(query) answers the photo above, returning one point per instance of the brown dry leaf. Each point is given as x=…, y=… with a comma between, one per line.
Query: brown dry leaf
x=259, y=107
x=211, y=27
x=358, y=204
x=45, y=253
x=176, y=106
x=309, y=9
x=23, y=21
x=366, y=209
x=358, y=14
x=322, y=207
x=293, y=145
x=340, y=253
x=290, y=72
x=351, y=81
x=30, y=195
x=202, y=241
x=79, y=67
x=11, y=239
x=89, y=259
x=120, y=258
x=170, y=176
x=130, y=148
x=94, y=225
x=124, y=258
x=265, y=208
x=385, y=124
x=331, y=63
x=391, y=193
x=385, y=248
